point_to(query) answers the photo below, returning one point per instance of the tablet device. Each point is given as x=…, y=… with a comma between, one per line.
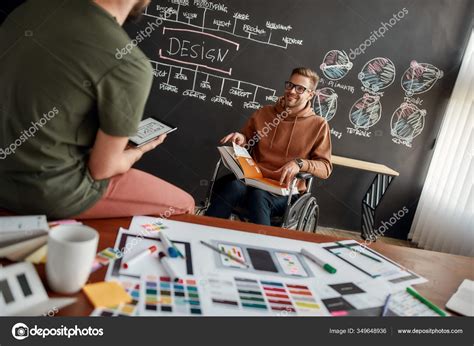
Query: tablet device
x=149, y=129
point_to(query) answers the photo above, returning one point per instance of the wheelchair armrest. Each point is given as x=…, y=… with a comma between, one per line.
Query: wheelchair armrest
x=304, y=175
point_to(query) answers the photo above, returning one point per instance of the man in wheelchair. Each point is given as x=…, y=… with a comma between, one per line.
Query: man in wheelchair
x=285, y=139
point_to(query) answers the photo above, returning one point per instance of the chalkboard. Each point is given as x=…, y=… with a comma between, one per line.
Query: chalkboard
x=387, y=70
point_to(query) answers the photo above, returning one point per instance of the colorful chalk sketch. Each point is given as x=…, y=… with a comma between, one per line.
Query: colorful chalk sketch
x=407, y=121
x=419, y=78
x=325, y=103
x=336, y=64
x=377, y=74
x=366, y=112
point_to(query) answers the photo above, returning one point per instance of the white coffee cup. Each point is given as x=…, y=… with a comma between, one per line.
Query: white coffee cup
x=71, y=252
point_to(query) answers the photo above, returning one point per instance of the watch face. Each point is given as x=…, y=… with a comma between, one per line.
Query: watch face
x=299, y=162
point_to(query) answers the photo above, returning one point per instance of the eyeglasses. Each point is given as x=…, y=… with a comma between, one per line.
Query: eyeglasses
x=300, y=89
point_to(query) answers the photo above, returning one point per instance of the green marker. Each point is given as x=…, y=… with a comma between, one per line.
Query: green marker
x=426, y=301
x=326, y=266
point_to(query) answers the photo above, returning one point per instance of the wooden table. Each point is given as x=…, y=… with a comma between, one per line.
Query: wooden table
x=383, y=177
x=445, y=272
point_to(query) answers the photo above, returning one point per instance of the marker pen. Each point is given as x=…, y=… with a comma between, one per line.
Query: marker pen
x=165, y=261
x=168, y=245
x=139, y=256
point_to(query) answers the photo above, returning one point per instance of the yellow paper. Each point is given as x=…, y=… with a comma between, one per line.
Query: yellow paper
x=39, y=256
x=106, y=294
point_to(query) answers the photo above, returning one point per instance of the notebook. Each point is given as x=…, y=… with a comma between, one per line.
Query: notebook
x=462, y=301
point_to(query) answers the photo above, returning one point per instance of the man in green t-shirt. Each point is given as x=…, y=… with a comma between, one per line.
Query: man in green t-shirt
x=67, y=108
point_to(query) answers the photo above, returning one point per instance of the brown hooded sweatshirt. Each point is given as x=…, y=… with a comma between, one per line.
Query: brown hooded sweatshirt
x=277, y=136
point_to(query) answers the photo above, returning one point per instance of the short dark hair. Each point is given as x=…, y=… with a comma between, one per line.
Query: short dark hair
x=307, y=72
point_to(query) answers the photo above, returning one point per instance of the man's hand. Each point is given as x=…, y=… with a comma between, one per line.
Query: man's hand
x=111, y=156
x=288, y=173
x=153, y=144
x=235, y=137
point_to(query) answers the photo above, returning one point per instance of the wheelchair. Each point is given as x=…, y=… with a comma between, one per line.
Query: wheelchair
x=301, y=214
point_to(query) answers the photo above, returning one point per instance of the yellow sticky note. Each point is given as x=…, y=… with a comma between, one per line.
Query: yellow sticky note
x=106, y=294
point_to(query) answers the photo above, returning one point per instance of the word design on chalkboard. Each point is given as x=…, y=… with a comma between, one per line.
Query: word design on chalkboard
x=189, y=53
x=408, y=120
x=191, y=47
x=336, y=64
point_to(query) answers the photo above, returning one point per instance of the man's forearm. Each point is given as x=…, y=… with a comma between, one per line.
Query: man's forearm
x=117, y=165
x=319, y=168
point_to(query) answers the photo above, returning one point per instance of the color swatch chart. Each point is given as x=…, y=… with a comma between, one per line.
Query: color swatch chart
x=154, y=226
x=162, y=296
x=234, y=251
x=127, y=309
x=255, y=297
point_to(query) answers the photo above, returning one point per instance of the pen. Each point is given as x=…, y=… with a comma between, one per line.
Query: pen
x=222, y=252
x=174, y=246
x=426, y=301
x=359, y=252
x=326, y=266
x=170, y=248
x=164, y=260
x=139, y=256
x=385, y=306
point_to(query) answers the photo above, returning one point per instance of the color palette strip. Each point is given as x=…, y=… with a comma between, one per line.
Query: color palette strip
x=104, y=257
x=163, y=296
x=264, y=296
x=290, y=298
x=250, y=294
x=154, y=226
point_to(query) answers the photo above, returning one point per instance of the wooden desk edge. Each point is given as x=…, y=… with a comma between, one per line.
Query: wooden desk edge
x=363, y=165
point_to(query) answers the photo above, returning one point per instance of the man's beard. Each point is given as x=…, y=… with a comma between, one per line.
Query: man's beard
x=137, y=11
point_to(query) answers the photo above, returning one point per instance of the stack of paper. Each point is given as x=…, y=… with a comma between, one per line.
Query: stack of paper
x=22, y=235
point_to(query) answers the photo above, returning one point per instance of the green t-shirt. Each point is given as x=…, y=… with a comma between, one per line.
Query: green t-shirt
x=61, y=81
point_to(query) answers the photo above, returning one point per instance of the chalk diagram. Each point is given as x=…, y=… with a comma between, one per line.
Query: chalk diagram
x=377, y=74
x=207, y=70
x=366, y=112
x=336, y=64
x=325, y=103
x=408, y=120
x=419, y=78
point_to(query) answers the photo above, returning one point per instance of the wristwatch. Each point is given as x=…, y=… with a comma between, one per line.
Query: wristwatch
x=299, y=162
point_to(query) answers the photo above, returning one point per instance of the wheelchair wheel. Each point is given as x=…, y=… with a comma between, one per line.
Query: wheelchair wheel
x=309, y=216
